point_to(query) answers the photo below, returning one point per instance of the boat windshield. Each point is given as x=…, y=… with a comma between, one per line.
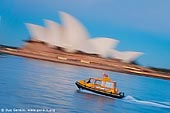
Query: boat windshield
x=88, y=80
x=98, y=82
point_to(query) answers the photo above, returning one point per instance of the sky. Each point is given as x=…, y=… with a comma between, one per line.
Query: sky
x=142, y=26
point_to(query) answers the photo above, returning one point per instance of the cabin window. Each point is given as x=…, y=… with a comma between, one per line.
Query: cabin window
x=109, y=84
x=97, y=82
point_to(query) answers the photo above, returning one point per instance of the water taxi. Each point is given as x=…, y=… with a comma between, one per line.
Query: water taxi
x=104, y=86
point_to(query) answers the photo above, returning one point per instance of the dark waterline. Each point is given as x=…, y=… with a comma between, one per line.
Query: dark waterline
x=34, y=84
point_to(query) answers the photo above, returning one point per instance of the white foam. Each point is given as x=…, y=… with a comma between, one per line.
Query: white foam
x=149, y=103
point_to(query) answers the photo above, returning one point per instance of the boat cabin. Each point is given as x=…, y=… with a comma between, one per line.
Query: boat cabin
x=105, y=84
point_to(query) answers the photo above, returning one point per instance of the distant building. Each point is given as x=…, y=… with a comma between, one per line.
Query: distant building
x=73, y=37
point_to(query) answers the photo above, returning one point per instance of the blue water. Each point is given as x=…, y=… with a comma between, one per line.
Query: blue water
x=28, y=84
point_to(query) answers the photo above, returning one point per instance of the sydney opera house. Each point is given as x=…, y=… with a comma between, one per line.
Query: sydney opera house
x=70, y=43
x=72, y=37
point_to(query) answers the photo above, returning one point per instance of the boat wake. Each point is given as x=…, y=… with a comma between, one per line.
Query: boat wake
x=148, y=103
x=133, y=100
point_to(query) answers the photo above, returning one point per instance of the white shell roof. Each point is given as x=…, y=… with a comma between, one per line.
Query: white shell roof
x=53, y=34
x=103, y=45
x=74, y=32
x=37, y=32
x=126, y=56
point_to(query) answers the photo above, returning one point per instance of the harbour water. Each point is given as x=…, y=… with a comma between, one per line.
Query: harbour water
x=28, y=85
